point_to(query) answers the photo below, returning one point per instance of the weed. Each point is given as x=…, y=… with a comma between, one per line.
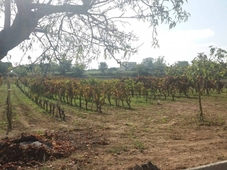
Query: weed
x=165, y=119
x=3, y=123
x=131, y=134
x=39, y=132
x=139, y=145
x=82, y=115
x=118, y=149
x=146, y=130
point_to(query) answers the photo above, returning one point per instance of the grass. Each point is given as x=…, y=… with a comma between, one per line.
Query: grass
x=118, y=149
x=139, y=145
x=27, y=116
x=21, y=98
x=3, y=121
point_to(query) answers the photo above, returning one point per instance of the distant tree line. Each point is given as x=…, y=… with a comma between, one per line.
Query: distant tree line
x=214, y=63
x=5, y=67
x=152, y=66
x=62, y=67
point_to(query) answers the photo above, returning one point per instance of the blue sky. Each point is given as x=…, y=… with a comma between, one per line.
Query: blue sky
x=206, y=26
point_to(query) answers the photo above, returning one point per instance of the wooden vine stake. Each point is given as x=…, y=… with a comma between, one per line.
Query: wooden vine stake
x=9, y=107
x=59, y=96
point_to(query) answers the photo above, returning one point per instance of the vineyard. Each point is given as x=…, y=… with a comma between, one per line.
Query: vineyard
x=93, y=94
x=115, y=123
x=78, y=93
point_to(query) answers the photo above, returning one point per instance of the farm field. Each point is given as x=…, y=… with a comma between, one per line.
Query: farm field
x=168, y=134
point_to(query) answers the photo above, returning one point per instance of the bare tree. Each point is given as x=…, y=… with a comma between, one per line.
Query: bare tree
x=82, y=28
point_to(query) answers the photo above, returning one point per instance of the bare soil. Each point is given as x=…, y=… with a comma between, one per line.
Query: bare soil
x=169, y=135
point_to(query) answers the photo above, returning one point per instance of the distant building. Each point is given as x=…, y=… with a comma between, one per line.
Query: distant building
x=128, y=66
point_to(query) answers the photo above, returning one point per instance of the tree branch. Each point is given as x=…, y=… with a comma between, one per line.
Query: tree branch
x=88, y=24
x=46, y=9
x=26, y=21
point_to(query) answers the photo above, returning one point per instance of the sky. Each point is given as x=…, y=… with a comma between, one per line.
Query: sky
x=206, y=26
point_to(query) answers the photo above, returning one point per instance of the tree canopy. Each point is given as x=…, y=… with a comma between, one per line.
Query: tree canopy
x=103, y=66
x=82, y=28
x=148, y=62
x=4, y=67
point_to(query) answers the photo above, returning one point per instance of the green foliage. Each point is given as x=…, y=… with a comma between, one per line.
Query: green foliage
x=152, y=66
x=54, y=67
x=148, y=62
x=112, y=69
x=142, y=70
x=78, y=70
x=64, y=65
x=21, y=70
x=177, y=69
x=159, y=66
x=139, y=145
x=103, y=66
x=219, y=56
x=204, y=69
x=4, y=67
x=183, y=64
x=212, y=67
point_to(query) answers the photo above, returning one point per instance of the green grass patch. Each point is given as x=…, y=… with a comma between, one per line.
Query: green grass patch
x=118, y=149
x=139, y=145
x=18, y=97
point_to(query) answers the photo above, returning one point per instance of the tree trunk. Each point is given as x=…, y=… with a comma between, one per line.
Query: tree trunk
x=24, y=24
x=200, y=105
x=26, y=20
